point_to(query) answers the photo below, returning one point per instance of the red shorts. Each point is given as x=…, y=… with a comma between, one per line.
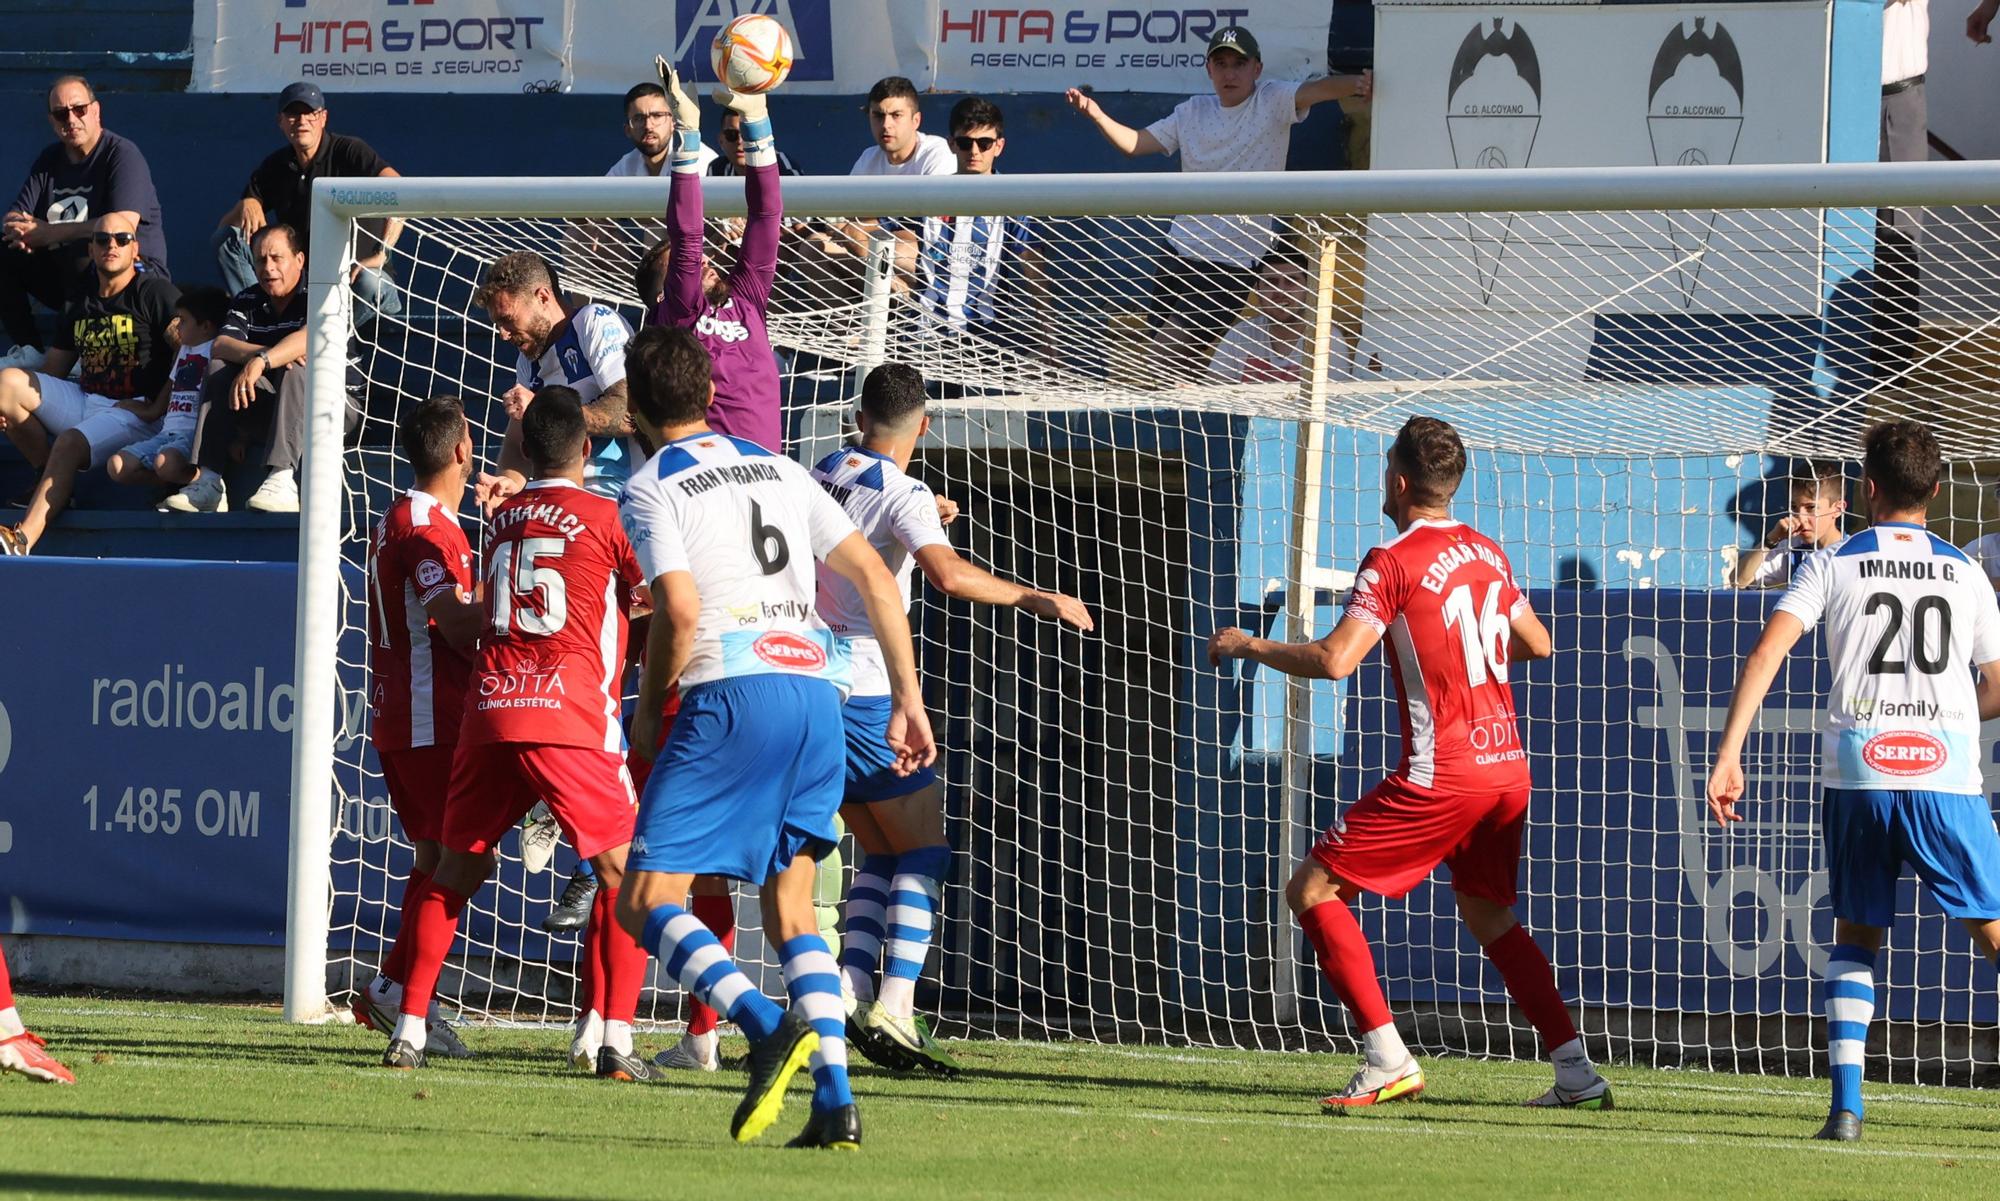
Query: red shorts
x=494, y=784
x=642, y=768
x=1390, y=840
x=418, y=780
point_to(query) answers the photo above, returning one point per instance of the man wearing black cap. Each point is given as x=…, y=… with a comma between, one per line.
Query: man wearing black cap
x=280, y=193
x=1200, y=286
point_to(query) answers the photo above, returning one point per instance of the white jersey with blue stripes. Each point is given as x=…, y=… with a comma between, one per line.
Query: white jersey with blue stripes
x=588, y=354
x=1907, y=617
x=748, y=525
x=898, y=515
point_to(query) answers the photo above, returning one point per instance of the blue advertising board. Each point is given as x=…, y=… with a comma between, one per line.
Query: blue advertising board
x=146, y=711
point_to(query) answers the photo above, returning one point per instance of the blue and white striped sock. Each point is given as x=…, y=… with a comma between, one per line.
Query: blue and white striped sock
x=861, y=937
x=692, y=956
x=913, y=905
x=814, y=984
x=1850, y=1006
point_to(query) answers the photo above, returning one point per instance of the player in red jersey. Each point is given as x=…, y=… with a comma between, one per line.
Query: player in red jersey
x=423, y=622
x=542, y=722
x=22, y=1050
x=1444, y=596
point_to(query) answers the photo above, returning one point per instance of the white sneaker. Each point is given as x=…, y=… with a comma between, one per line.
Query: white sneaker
x=27, y=358
x=205, y=495
x=1595, y=1095
x=279, y=493
x=540, y=836
x=1376, y=1086
x=695, y=1052
x=441, y=1039
x=588, y=1041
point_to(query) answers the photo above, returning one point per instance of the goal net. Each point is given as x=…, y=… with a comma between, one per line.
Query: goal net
x=1642, y=365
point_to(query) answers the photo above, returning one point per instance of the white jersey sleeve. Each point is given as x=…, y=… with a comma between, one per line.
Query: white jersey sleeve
x=1907, y=615
x=748, y=525
x=898, y=516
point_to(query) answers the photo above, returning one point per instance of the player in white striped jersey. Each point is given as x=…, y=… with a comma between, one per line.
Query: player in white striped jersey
x=1907, y=617
x=748, y=782
x=898, y=819
x=559, y=342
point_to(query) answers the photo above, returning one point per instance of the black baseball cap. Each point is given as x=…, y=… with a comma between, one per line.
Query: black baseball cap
x=1237, y=38
x=304, y=93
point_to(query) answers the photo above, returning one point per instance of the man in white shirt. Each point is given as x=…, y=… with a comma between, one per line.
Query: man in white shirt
x=649, y=122
x=1200, y=285
x=901, y=147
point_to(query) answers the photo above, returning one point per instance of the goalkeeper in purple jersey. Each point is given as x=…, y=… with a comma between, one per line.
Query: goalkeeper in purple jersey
x=725, y=309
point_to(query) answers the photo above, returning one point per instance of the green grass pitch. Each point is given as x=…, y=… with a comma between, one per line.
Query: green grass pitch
x=219, y=1101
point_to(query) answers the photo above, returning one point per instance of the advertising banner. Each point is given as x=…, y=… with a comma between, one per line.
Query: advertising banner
x=145, y=750
x=605, y=46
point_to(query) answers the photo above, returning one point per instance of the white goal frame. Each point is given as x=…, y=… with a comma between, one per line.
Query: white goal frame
x=336, y=204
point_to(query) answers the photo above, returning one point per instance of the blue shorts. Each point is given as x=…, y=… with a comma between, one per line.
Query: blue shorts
x=871, y=765
x=1947, y=837
x=749, y=780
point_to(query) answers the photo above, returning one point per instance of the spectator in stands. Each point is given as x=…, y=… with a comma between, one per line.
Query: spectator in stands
x=1200, y=285
x=88, y=172
x=969, y=271
x=1819, y=503
x=280, y=193
x=1271, y=344
x=167, y=458
x=121, y=333
x=901, y=147
x=730, y=161
x=1906, y=28
x=649, y=122
x=258, y=391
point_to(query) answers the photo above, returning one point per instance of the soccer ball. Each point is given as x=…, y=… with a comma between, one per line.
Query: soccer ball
x=752, y=54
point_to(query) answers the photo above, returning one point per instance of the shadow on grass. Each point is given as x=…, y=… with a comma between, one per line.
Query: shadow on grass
x=49, y=1185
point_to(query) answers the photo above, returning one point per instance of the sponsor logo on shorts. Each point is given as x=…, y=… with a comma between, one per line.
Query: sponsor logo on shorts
x=1904, y=753
x=790, y=652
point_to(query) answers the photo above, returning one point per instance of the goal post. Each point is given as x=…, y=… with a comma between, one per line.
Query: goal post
x=1637, y=359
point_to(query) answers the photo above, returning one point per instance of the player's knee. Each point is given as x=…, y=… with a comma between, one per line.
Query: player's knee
x=463, y=872
x=122, y=468
x=425, y=854
x=635, y=905
x=1310, y=886
x=1485, y=920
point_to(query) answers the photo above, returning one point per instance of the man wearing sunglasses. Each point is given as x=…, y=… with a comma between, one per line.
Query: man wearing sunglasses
x=279, y=192
x=87, y=172
x=118, y=332
x=971, y=270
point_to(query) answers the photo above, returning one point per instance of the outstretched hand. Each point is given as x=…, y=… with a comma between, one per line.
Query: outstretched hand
x=1725, y=788
x=687, y=114
x=1082, y=102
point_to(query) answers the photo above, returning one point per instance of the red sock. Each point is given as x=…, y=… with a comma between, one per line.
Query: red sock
x=590, y=965
x=621, y=962
x=398, y=963
x=6, y=983
x=1532, y=984
x=719, y=915
x=1346, y=962
x=432, y=927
